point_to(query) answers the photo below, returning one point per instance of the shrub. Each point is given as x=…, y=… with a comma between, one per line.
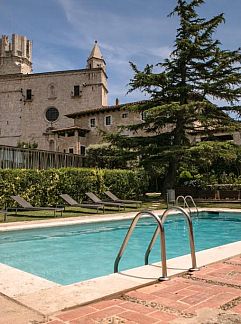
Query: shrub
x=43, y=187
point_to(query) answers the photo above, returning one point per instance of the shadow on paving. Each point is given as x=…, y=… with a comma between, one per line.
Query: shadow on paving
x=14, y=313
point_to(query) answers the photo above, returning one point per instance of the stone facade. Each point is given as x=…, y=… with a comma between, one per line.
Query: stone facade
x=89, y=123
x=32, y=105
x=60, y=111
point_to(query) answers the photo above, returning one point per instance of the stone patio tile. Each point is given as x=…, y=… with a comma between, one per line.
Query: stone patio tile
x=137, y=307
x=237, y=309
x=162, y=316
x=172, y=304
x=139, y=295
x=172, y=290
x=107, y=303
x=138, y=318
x=214, y=302
x=104, y=313
x=83, y=320
x=197, y=298
x=75, y=313
x=180, y=294
x=153, y=288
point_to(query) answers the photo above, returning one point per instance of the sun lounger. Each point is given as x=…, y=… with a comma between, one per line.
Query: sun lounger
x=97, y=200
x=116, y=199
x=73, y=203
x=26, y=206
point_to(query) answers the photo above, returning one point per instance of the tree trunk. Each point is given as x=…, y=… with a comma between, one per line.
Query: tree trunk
x=170, y=177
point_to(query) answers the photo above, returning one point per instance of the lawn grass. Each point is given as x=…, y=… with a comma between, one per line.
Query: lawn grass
x=149, y=204
x=76, y=212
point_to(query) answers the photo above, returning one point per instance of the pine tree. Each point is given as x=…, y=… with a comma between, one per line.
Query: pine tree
x=197, y=72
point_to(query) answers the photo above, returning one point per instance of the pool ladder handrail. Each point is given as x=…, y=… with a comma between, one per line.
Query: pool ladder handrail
x=191, y=236
x=185, y=203
x=159, y=230
x=162, y=240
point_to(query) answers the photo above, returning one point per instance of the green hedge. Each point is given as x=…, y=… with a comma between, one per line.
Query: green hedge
x=43, y=187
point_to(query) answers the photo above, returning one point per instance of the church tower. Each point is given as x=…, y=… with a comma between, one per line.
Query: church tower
x=96, y=59
x=15, y=56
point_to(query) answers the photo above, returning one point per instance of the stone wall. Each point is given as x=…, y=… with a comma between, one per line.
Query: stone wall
x=24, y=119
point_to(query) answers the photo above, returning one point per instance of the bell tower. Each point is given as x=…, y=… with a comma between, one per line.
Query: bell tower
x=15, y=56
x=96, y=60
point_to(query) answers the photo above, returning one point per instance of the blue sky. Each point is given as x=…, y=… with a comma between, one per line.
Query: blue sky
x=63, y=33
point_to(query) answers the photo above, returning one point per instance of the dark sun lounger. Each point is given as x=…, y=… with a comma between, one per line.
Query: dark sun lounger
x=26, y=206
x=97, y=200
x=116, y=199
x=73, y=203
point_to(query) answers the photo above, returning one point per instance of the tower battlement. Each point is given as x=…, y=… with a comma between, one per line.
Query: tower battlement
x=15, y=56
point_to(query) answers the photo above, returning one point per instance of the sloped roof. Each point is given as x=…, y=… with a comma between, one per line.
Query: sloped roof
x=104, y=109
x=95, y=53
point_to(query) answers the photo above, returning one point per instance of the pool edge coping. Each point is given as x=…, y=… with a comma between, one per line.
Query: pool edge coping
x=49, y=297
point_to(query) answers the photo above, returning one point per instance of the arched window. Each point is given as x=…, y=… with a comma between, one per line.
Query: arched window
x=51, y=145
x=52, y=91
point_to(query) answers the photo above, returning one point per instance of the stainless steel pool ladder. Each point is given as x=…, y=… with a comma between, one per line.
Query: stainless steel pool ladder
x=185, y=203
x=159, y=231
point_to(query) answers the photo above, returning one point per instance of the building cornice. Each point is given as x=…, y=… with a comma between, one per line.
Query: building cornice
x=33, y=75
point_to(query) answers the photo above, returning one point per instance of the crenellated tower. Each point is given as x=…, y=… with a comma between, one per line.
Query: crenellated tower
x=15, y=56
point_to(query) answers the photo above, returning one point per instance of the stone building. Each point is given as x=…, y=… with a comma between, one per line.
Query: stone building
x=88, y=124
x=59, y=111
x=32, y=105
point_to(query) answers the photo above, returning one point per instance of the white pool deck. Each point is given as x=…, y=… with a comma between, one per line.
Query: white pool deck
x=47, y=297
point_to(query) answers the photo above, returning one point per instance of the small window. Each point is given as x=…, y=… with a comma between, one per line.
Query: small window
x=143, y=115
x=29, y=94
x=92, y=122
x=108, y=120
x=124, y=115
x=70, y=134
x=71, y=150
x=82, y=150
x=51, y=145
x=76, y=91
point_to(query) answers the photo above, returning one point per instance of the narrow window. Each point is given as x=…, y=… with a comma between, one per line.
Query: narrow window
x=143, y=115
x=124, y=115
x=82, y=150
x=28, y=94
x=71, y=150
x=92, y=122
x=108, y=120
x=76, y=91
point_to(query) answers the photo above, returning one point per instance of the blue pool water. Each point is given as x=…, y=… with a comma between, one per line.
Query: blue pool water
x=70, y=254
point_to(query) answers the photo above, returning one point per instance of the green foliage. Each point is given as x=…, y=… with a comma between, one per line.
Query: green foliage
x=107, y=156
x=128, y=184
x=211, y=163
x=43, y=187
x=180, y=92
x=27, y=145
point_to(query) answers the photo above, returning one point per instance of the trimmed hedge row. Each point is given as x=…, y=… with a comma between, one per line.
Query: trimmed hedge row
x=43, y=187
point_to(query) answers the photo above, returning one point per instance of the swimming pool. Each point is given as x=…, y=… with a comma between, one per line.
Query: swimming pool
x=74, y=253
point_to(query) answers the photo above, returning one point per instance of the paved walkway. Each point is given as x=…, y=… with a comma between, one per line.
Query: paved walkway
x=209, y=296
x=14, y=313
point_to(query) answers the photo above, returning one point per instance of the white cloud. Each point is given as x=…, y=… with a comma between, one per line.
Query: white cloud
x=118, y=34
